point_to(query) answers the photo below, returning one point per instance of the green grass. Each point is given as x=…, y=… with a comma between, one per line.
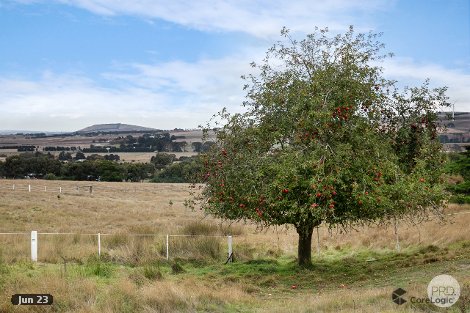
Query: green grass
x=362, y=268
x=119, y=285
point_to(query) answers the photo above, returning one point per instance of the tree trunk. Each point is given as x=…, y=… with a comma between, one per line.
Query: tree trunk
x=305, y=244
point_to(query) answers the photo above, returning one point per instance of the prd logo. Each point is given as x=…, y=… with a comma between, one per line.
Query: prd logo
x=443, y=291
x=397, y=296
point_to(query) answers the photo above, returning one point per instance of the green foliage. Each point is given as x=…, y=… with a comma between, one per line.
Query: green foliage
x=202, y=146
x=325, y=139
x=110, y=171
x=137, y=171
x=96, y=267
x=181, y=172
x=162, y=160
x=50, y=176
x=65, y=156
x=176, y=268
x=80, y=156
x=19, y=166
x=459, y=164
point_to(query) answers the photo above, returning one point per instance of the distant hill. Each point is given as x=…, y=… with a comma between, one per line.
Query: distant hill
x=118, y=127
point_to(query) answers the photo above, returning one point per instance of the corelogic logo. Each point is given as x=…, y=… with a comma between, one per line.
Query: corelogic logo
x=397, y=296
x=443, y=291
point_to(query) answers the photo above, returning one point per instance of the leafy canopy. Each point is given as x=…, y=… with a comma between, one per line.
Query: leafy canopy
x=326, y=138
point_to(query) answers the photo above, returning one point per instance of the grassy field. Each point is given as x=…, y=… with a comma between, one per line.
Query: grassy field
x=130, y=157
x=353, y=272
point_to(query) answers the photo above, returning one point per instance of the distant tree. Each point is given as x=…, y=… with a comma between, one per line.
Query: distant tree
x=197, y=146
x=110, y=171
x=178, y=146
x=181, y=172
x=139, y=171
x=326, y=139
x=95, y=157
x=80, y=156
x=19, y=166
x=207, y=145
x=112, y=157
x=163, y=159
x=65, y=156
x=459, y=164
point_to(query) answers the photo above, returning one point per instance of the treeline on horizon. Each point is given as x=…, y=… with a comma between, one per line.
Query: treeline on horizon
x=164, y=167
x=158, y=142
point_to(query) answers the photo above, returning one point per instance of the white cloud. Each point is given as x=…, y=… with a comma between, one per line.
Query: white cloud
x=55, y=104
x=166, y=95
x=409, y=72
x=259, y=18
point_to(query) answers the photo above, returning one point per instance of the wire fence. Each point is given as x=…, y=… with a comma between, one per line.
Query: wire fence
x=85, y=188
x=118, y=247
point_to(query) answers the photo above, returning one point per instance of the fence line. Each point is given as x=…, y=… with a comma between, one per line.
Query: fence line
x=35, y=240
x=91, y=188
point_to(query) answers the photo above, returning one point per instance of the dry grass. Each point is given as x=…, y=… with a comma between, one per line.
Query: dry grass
x=120, y=209
x=125, y=213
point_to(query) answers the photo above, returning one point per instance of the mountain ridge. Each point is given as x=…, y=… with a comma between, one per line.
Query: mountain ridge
x=114, y=127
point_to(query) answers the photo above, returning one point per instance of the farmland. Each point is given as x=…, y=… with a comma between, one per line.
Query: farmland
x=77, y=140
x=353, y=271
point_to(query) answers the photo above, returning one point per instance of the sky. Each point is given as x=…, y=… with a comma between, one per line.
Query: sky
x=69, y=64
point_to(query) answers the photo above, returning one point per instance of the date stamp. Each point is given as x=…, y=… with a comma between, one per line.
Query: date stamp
x=32, y=299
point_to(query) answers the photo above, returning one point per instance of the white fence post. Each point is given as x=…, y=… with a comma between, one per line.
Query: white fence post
x=34, y=246
x=13, y=186
x=230, y=251
x=60, y=189
x=45, y=188
x=167, y=250
x=99, y=244
x=29, y=188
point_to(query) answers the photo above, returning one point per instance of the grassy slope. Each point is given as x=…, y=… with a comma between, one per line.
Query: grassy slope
x=265, y=285
x=356, y=272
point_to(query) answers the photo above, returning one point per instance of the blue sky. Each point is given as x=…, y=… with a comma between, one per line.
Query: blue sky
x=67, y=64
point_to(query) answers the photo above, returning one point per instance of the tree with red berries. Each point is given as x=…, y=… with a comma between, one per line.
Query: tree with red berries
x=325, y=138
